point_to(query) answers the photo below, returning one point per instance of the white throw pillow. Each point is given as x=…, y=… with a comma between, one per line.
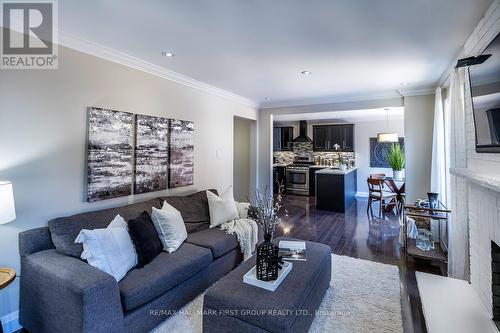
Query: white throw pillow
x=170, y=227
x=242, y=209
x=111, y=250
x=222, y=209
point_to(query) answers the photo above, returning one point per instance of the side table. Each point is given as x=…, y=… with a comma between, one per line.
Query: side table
x=7, y=275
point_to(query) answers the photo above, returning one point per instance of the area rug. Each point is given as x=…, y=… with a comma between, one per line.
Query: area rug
x=364, y=296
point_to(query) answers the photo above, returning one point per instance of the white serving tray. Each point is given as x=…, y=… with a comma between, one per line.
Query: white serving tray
x=251, y=277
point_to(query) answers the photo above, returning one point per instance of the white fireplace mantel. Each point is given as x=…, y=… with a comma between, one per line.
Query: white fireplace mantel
x=476, y=202
x=489, y=181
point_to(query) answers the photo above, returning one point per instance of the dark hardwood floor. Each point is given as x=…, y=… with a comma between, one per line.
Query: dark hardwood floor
x=361, y=235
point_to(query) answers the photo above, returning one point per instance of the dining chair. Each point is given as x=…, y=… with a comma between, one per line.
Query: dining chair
x=378, y=176
x=376, y=193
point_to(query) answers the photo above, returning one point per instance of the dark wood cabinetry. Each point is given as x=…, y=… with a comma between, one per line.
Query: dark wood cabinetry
x=282, y=138
x=320, y=138
x=312, y=181
x=326, y=136
x=335, y=191
x=348, y=136
x=279, y=177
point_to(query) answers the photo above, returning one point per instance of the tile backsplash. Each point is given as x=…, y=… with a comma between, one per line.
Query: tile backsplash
x=305, y=149
x=283, y=157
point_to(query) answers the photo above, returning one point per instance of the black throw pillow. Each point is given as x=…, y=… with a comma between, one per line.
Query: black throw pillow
x=146, y=241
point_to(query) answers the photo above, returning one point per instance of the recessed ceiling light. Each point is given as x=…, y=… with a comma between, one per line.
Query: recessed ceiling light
x=306, y=72
x=269, y=99
x=404, y=83
x=386, y=109
x=167, y=54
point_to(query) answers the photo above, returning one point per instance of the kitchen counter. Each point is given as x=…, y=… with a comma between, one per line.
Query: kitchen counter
x=335, y=189
x=279, y=165
x=334, y=171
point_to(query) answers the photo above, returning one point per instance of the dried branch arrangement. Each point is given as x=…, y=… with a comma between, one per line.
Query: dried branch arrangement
x=268, y=208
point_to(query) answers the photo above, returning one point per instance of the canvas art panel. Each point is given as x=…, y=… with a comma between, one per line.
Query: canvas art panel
x=109, y=154
x=151, y=154
x=181, y=153
x=379, y=150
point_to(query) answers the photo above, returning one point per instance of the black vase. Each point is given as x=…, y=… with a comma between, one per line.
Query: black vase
x=268, y=260
x=433, y=201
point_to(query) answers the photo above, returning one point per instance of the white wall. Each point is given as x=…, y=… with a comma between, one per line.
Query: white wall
x=42, y=138
x=363, y=131
x=419, y=123
x=242, y=159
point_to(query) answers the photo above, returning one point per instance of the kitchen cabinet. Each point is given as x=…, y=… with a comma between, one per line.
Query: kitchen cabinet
x=282, y=138
x=312, y=180
x=276, y=138
x=320, y=138
x=326, y=136
x=348, y=136
x=279, y=177
x=335, y=189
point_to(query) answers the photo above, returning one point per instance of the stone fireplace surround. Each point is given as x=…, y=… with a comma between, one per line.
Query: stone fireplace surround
x=480, y=197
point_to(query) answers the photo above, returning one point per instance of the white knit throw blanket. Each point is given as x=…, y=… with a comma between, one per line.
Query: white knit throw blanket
x=246, y=231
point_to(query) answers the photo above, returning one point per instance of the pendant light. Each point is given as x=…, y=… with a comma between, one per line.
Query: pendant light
x=389, y=137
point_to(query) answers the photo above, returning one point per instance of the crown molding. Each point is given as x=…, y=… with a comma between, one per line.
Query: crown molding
x=104, y=52
x=327, y=100
x=419, y=92
x=333, y=99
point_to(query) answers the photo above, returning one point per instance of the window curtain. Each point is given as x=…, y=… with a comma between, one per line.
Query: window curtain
x=458, y=224
x=439, y=165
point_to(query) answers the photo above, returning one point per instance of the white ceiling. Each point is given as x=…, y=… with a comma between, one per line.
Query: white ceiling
x=351, y=116
x=257, y=48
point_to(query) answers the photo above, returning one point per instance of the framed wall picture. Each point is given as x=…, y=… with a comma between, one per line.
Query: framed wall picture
x=181, y=153
x=378, y=152
x=151, y=154
x=109, y=154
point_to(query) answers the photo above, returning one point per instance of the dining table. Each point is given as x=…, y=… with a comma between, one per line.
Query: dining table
x=396, y=186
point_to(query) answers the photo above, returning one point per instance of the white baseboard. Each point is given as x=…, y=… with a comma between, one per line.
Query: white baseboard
x=362, y=194
x=10, y=322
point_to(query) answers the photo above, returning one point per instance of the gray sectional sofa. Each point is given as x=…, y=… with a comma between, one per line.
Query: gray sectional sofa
x=62, y=293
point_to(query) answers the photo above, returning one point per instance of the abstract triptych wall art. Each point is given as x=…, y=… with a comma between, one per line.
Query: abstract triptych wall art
x=151, y=154
x=110, y=154
x=181, y=153
x=134, y=154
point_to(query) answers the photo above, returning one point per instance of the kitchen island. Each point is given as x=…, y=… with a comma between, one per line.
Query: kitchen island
x=335, y=189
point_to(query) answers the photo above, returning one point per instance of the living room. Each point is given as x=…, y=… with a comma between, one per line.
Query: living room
x=146, y=132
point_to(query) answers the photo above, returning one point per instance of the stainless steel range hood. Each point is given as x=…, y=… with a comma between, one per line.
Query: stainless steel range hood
x=302, y=138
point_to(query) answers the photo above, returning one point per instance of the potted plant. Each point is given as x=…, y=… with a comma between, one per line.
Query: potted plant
x=396, y=158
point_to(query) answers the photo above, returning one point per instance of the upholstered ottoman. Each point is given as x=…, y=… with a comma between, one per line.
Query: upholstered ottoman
x=233, y=306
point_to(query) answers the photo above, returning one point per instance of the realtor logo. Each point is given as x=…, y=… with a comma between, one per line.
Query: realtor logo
x=29, y=35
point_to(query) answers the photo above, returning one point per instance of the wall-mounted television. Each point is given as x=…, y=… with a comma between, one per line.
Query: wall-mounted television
x=485, y=91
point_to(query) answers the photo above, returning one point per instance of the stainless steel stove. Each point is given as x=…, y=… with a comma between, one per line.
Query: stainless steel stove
x=297, y=175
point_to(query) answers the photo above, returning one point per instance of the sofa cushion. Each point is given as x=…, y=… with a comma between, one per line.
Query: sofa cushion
x=63, y=230
x=163, y=273
x=193, y=208
x=145, y=238
x=215, y=239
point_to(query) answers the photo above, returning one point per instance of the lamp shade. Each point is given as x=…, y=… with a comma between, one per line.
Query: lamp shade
x=7, y=207
x=387, y=137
